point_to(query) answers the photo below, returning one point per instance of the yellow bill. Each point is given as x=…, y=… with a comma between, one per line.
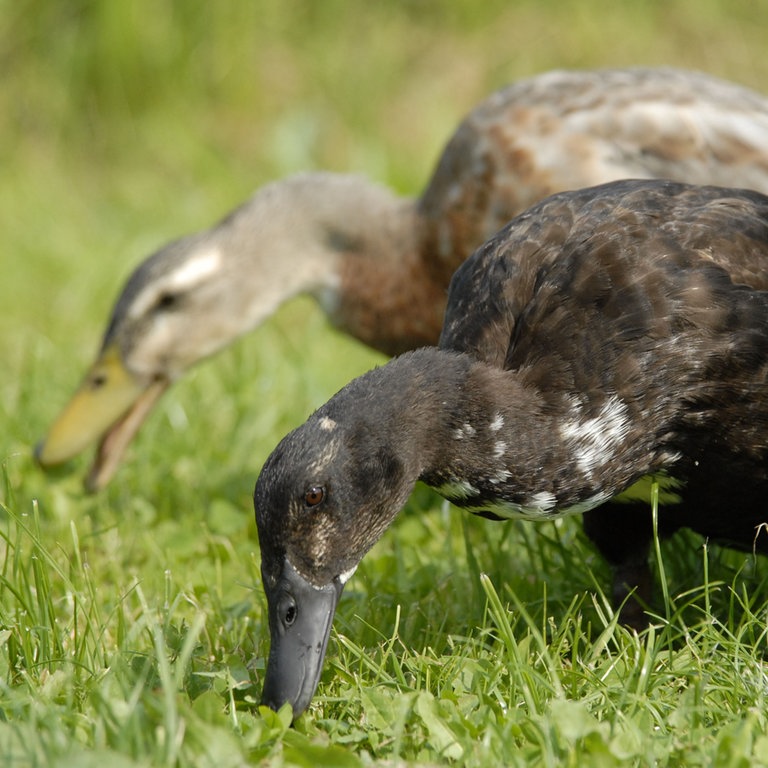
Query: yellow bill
x=110, y=405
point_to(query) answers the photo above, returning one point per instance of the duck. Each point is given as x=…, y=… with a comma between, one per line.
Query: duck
x=379, y=264
x=604, y=339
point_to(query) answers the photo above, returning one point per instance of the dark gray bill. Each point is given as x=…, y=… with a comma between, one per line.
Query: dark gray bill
x=300, y=618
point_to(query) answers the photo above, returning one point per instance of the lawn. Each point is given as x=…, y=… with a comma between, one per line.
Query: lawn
x=132, y=622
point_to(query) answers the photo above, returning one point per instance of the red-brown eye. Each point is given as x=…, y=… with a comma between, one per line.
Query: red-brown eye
x=314, y=495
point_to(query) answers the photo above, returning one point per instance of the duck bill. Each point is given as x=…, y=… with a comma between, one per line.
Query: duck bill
x=298, y=644
x=110, y=405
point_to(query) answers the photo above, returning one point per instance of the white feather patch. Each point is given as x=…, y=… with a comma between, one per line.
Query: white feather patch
x=594, y=441
x=347, y=575
x=540, y=506
x=457, y=489
x=326, y=424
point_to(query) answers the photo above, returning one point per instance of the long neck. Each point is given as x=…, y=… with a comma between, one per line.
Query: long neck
x=495, y=437
x=491, y=444
x=354, y=246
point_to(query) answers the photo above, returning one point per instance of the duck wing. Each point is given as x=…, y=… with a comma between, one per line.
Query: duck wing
x=639, y=311
x=652, y=292
x=565, y=130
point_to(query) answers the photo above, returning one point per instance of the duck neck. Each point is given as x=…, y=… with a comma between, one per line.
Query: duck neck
x=354, y=246
x=496, y=436
x=493, y=445
x=323, y=234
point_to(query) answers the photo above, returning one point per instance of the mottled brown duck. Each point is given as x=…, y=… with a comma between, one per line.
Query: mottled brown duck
x=379, y=264
x=605, y=337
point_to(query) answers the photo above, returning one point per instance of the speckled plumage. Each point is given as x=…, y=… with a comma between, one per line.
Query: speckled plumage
x=603, y=336
x=379, y=264
x=651, y=296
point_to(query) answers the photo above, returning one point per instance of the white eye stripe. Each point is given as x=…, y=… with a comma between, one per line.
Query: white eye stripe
x=194, y=270
x=188, y=274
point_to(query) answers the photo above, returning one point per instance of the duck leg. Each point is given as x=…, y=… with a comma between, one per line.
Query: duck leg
x=623, y=534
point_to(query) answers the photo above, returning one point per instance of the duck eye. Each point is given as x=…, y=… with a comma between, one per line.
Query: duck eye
x=314, y=496
x=290, y=615
x=166, y=301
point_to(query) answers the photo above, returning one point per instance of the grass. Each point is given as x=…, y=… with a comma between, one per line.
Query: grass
x=132, y=627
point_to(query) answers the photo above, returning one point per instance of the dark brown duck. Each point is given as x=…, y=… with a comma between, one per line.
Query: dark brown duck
x=603, y=337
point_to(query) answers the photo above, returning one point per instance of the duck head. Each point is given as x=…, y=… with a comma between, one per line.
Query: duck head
x=323, y=498
x=199, y=293
x=167, y=317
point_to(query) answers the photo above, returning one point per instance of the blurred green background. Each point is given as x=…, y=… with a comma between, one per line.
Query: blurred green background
x=125, y=123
